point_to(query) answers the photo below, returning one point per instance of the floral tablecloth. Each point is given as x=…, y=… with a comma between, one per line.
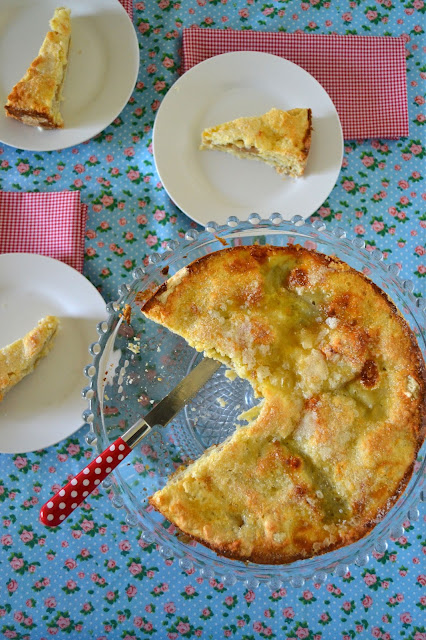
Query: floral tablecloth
x=96, y=578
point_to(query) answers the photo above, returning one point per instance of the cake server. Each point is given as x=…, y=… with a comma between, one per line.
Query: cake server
x=76, y=491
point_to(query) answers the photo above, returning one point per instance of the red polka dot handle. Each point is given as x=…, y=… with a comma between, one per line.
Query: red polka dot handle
x=54, y=512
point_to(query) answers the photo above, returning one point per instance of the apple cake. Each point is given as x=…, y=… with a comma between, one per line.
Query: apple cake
x=282, y=139
x=35, y=99
x=342, y=382
x=20, y=358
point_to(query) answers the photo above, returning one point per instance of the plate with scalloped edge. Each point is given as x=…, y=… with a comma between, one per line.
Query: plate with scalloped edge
x=212, y=185
x=47, y=405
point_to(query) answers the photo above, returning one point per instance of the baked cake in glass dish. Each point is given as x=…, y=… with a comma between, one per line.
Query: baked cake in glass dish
x=332, y=444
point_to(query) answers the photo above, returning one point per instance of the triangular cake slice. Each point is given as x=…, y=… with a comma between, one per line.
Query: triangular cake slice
x=35, y=100
x=20, y=358
x=282, y=139
x=342, y=382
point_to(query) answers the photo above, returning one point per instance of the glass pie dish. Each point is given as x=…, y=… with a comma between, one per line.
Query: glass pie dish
x=137, y=362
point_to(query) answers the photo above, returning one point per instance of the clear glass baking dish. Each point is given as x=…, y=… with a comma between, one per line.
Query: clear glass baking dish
x=136, y=365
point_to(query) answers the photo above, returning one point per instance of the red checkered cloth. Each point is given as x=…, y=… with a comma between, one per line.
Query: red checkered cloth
x=364, y=76
x=128, y=5
x=50, y=224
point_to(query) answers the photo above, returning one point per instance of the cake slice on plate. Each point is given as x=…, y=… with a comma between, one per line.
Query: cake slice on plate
x=20, y=358
x=35, y=99
x=282, y=139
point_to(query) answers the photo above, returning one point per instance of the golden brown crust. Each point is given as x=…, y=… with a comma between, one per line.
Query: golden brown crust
x=279, y=138
x=20, y=358
x=35, y=99
x=343, y=412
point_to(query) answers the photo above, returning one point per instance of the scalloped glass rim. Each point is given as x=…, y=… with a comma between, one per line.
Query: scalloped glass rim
x=210, y=565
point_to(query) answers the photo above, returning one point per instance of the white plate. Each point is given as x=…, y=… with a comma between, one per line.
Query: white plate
x=46, y=406
x=102, y=70
x=212, y=185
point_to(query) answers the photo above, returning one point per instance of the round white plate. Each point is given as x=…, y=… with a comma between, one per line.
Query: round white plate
x=46, y=406
x=212, y=185
x=102, y=68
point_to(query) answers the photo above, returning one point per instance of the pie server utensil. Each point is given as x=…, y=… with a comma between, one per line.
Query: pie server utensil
x=76, y=491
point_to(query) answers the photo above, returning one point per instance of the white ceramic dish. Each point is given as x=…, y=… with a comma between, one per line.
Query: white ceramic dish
x=102, y=70
x=47, y=405
x=212, y=185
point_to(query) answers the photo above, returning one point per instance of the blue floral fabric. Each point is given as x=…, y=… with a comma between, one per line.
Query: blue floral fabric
x=94, y=577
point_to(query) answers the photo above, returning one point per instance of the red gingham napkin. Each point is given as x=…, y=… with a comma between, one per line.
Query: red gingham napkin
x=364, y=75
x=50, y=224
x=128, y=5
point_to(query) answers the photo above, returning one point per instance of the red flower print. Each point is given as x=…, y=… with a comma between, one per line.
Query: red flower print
x=63, y=622
x=87, y=525
x=159, y=215
x=16, y=563
x=73, y=449
x=70, y=563
x=367, y=602
x=405, y=618
x=370, y=579
x=135, y=568
x=107, y=200
x=249, y=596
x=20, y=462
x=131, y=591
x=367, y=161
x=183, y=627
x=133, y=175
x=378, y=226
x=168, y=63
x=169, y=607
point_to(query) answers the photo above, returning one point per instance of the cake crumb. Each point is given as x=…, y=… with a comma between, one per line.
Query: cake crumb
x=126, y=313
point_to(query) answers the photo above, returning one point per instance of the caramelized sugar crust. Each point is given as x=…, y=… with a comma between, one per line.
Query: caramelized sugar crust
x=342, y=417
